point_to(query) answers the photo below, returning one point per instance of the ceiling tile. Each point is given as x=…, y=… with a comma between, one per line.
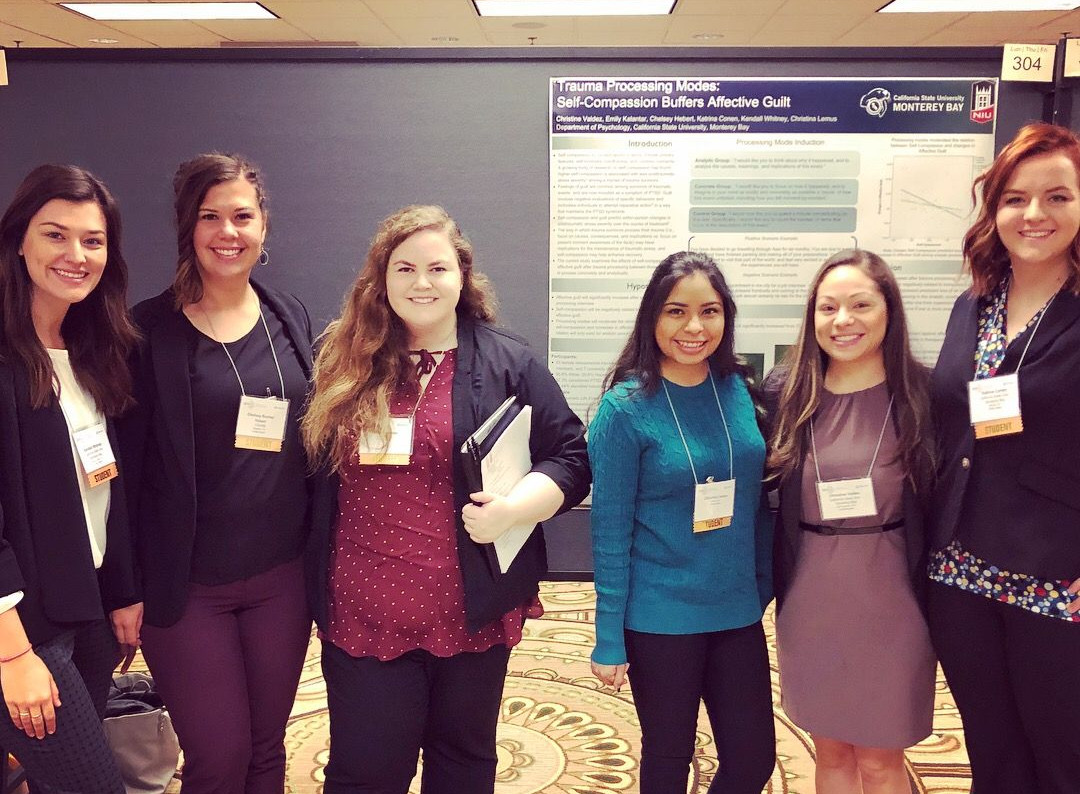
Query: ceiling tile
x=725, y=7
x=829, y=25
x=9, y=35
x=342, y=10
x=58, y=23
x=1008, y=20
x=769, y=36
x=555, y=31
x=621, y=31
x=423, y=9
x=254, y=30
x=422, y=32
x=736, y=30
x=170, y=34
x=802, y=7
x=881, y=31
x=366, y=33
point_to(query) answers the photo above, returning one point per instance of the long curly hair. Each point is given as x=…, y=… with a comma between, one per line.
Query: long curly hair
x=985, y=257
x=363, y=356
x=806, y=364
x=97, y=331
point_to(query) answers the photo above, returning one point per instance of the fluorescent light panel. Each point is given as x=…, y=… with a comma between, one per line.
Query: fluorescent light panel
x=975, y=6
x=111, y=12
x=572, y=8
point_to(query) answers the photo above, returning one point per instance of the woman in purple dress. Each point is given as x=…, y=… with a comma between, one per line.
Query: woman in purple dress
x=851, y=451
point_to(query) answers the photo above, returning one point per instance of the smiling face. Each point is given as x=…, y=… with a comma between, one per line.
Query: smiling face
x=65, y=249
x=850, y=317
x=1038, y=215
x=229, y=232
x=423, y=286
x=689, y=329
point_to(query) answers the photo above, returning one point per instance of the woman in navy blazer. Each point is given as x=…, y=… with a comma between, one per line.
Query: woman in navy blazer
x=221, y=494
x=416, y=622
x=1005, y=571
x=65, y=558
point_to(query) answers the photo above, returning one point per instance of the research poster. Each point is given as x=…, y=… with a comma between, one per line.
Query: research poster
x=769, y=177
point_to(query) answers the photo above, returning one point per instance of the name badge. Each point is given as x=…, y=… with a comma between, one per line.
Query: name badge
x=714, y=505
x=95, y=454
x=398, y=452
x=260, y=424
x=995, y=406
x=846, y=498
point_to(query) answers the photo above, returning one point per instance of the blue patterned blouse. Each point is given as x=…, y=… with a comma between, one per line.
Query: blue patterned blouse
x=956, y=566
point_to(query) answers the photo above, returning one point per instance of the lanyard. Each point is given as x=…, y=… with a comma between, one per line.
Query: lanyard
x=1034, y=330
x=873, y=460
x=723, y=418
x=243, y=391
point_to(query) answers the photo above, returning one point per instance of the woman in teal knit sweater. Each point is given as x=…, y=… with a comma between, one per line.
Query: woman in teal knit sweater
x=681, y=560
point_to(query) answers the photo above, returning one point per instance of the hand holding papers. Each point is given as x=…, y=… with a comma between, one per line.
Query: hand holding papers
x=495, y=459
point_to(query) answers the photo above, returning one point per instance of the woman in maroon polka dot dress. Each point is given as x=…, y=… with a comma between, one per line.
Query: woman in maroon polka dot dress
x=416, y=626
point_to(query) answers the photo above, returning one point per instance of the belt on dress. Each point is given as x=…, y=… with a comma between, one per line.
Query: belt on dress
x=821, y=529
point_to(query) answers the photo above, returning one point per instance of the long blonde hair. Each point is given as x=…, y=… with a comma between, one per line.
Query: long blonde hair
x=363, y=356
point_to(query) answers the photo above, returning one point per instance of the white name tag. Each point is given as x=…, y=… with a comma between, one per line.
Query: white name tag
x=994, y=404
x=95, y=454
x=398, y=452
x=260, y=424
x=846, y=498
x=714, y=505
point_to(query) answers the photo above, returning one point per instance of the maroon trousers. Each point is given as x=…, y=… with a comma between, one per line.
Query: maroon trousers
x=228, y=671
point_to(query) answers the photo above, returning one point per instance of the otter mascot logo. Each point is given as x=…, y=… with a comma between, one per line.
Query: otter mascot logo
x=875, y=102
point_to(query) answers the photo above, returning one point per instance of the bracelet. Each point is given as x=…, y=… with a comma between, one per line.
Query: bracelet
x=23, y=652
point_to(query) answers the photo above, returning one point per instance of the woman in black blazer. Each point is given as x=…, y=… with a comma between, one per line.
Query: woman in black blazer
x=65, y=558
x=221, y=494
x=1006, y=535
x=416, y=620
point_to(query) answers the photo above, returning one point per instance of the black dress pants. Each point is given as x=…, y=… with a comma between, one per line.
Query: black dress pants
x=382, y=714
x=1012, y=674
x=671, y=674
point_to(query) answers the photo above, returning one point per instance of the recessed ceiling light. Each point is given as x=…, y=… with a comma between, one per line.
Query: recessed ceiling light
x=707, y=36
x=975, y=6
x=572, y=8
x=104, y=41
x=154, y=11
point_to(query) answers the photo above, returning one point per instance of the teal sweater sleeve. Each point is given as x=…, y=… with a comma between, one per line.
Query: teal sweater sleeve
x=615, y=454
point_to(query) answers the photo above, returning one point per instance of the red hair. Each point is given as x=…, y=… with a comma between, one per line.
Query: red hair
x=985, y=257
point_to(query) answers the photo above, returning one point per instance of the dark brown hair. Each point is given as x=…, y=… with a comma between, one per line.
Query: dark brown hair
x=97, y=330
x=191, y=183
x=640, y=358
x=806, y=364
x=985, y=256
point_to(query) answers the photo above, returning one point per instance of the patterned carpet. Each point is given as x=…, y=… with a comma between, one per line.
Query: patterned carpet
x=560, y=733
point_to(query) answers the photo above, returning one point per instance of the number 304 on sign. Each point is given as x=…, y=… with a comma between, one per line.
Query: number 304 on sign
x=1032, y=63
